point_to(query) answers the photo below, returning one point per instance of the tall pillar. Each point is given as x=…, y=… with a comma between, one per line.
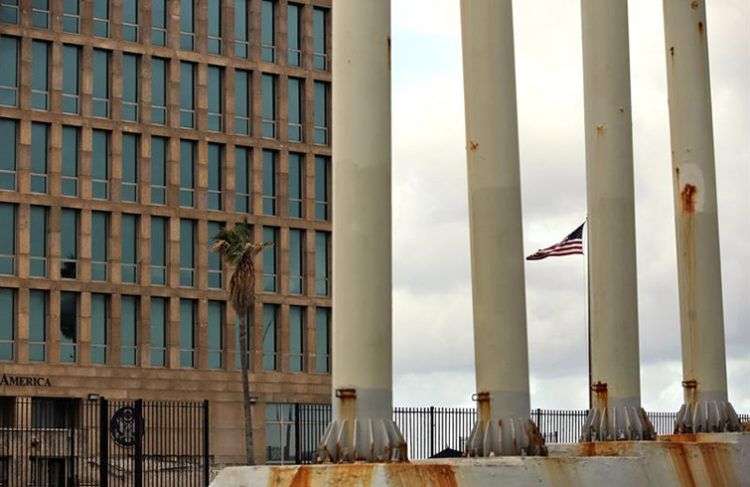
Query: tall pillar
x=362, y=426
x=706, y=407
x=616, y=412
x=496, y=232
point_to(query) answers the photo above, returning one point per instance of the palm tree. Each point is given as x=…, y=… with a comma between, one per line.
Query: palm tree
x=239, y=250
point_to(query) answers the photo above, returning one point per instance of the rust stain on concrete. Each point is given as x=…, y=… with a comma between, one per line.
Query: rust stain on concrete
x=426, y=475
x=336, y=475
x=701, y=29
x=678, y=456
x=687, y=197
x=473, y=145
x=694, y=4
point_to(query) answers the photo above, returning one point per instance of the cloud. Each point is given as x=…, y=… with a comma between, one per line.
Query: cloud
x=433, y=336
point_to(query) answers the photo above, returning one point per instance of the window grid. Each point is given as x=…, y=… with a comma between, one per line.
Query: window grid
x=40, y=176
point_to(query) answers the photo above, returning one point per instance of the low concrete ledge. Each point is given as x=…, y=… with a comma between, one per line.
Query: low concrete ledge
x=715, y=460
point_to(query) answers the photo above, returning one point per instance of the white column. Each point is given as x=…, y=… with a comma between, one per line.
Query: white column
x=616, y=398
x=706, y=406
x=496, y=232
x=362, y=428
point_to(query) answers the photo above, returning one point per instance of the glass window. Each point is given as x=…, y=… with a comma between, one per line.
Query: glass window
x=129, y=248
x=100, y=164
x=39, y=156
x=268, y=94
x=187, y=253
x=238, y=340
x=158, y=90
x=243, y=180
x=269, y=182
x=68, y=326
x=270, y=259
x=158, y=170
x=37, y=325
x=8, y=148
x=187, y=94
x=100, y=96
x=270, y=312
x=130, y=20
x=40, y=75
x=294, y=39
x=101, y=18
x=99, y=244
x=71, y=16
x=322, y=340
x=38, y=242
x=214, y=26
x=215, y=334
x=99, y=328
x=321, y=113
x=159, y=250
x=296, y=260
x=9, y=75
x=268, y=31
x=187, y=25
x=215, y=158
x=9, y=11
x=241, y=44
x=158, y=335
x=40, y=13
x=322, y=186
x=242, y=102
x=57, y=413
x=129, y=330
x=187, y=173
x=130, y=151
x=214, y=258
x=7, y=323
x=296, y=184
x=130, y=80
x=296, y=339
x=320, y=57
x=295, y=110
x=68, y=243
x=8, y=239
x=280, y=434
x=70, y=147
x=322, y=265
x=71, y=80
x=187, y=333
x=159, y=22
x=215, y=98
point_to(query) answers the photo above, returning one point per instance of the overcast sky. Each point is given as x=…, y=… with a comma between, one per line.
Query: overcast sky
x=433, y=337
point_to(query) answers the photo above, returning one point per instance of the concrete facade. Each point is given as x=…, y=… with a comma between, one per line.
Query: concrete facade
x=222, y=387
x=679, y=461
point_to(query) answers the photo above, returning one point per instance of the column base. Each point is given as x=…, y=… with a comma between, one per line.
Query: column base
x=362, y=440
x=616, y=423
x=507, y=436
x=707, y=416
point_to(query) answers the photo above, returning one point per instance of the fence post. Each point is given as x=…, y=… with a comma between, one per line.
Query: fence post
x=103, y=442
x=206, y=455
x=297, y=442
x=138, y=470
x=432, y=430
x=539, y=420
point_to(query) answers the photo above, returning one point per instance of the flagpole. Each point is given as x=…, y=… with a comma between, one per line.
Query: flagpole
x=588, y=304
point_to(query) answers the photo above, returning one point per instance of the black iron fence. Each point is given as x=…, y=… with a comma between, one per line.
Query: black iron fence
x=429, y=430
x=56, y=442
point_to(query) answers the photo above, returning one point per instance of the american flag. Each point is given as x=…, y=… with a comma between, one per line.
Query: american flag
x=572, y=244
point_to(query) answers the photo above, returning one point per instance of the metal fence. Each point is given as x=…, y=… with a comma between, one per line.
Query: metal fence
x=61, y=442
x=429, y=430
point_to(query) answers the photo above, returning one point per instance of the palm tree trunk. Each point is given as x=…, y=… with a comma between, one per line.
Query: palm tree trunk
x=246, y=391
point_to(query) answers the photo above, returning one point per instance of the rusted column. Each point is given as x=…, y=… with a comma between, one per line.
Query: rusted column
x=706, y=407
x=497, y=265
x=616, y=412
x=362, y=426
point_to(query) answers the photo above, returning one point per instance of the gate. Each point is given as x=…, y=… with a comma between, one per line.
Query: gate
x=63, y=442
